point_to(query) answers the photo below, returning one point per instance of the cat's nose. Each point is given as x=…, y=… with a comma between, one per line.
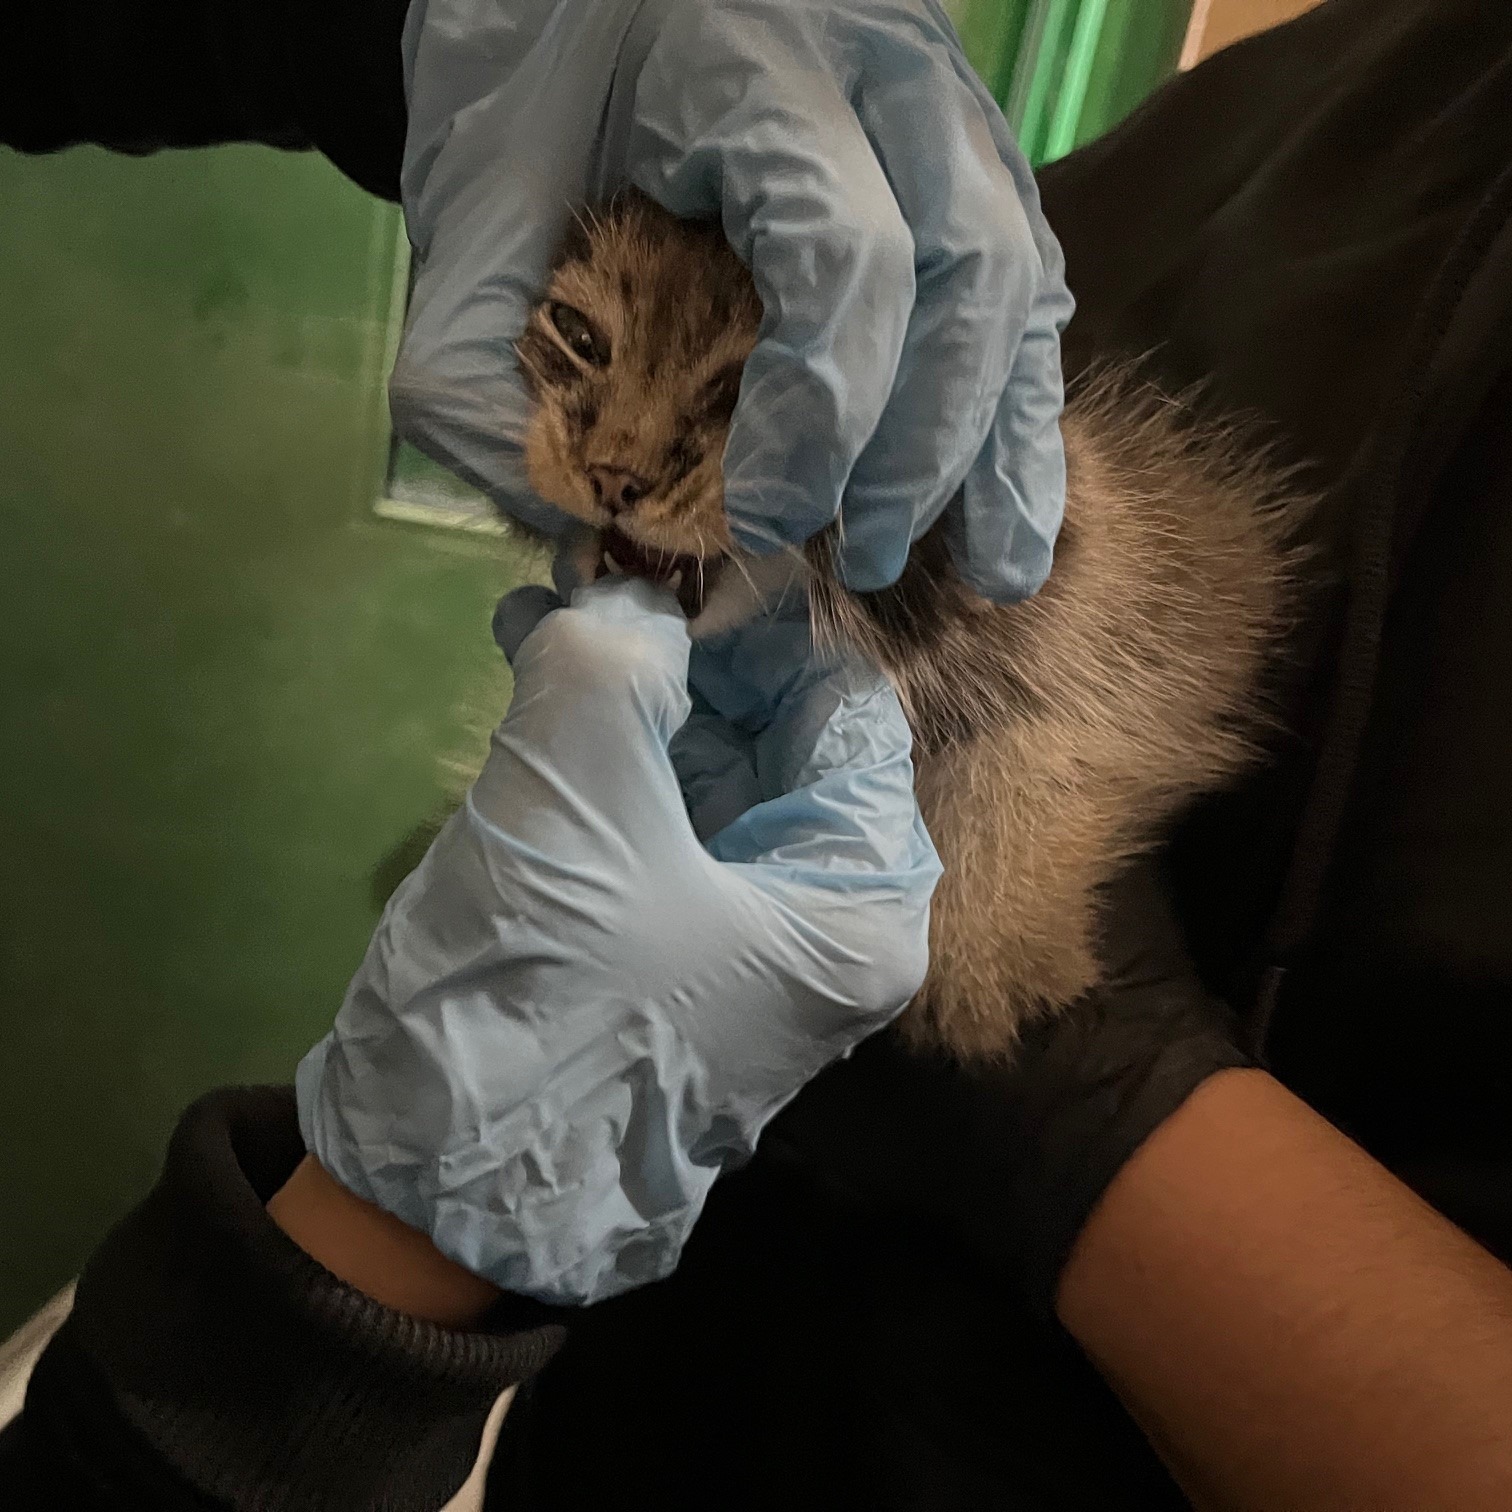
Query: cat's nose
x=616, y=488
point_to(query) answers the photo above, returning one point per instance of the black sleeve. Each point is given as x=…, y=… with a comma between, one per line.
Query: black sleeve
x=138, y=75
x=210, y=1363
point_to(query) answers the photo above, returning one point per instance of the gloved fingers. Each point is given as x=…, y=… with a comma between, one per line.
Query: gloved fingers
x=574, y=564
x=614, y=662
x=579, y=771
x=455, y=392
x=518, y=613
x=1003, y=526
x=832, y=755
x=831, y=840
x=839, y=811
x=474, y=429
x=839, y=854
x=505, y=112
x=716, y=768
x=782, y=158
x=981, y=285
x=746, y=675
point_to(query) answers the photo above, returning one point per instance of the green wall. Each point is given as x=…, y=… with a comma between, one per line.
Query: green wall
x=1065, y=71
x=224, y=685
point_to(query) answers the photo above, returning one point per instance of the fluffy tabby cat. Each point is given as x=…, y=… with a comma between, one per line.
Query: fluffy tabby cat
x=1053, y=738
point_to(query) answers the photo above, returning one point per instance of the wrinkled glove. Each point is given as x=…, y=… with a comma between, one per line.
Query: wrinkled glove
x=1012, y=1159
x=574, y=1014
x=914, y=294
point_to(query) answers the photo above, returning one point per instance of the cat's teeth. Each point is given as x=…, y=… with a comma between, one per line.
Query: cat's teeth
x=674, y=582
x=612, y=565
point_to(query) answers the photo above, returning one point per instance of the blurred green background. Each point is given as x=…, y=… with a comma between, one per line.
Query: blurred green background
x=236, y=675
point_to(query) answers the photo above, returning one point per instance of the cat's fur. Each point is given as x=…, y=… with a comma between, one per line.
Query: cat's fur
x=1053, y=738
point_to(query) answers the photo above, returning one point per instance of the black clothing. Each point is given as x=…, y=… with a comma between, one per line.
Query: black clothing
x=139, y=75
x=1319, y=222
x=199, y=1324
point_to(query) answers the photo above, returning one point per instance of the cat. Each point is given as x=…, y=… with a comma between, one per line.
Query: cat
x=1055, y=738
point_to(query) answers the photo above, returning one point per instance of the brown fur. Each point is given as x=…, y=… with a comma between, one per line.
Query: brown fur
x=680, y=316
x=1054, y=738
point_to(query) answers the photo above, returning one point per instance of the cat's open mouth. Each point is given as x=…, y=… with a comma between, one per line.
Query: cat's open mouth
x=691, y=578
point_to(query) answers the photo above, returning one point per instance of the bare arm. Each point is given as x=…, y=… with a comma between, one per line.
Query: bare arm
x=373, y=1251
x=1292, y=1326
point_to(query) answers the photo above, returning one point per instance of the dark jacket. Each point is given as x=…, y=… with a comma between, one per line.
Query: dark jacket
x=1319, y=223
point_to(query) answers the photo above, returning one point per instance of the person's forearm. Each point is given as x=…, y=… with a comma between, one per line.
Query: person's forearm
x=139, y=75
x=367, y=1248
x=1290, y=1324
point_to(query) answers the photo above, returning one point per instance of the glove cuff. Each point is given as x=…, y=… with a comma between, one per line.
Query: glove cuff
x=205, y=1341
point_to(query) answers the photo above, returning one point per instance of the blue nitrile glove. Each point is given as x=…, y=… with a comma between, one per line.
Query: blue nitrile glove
x=914, y=295
x=573, y=1014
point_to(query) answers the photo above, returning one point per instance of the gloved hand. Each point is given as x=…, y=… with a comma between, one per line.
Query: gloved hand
x=914, y=293
x=573, y=1014
x=1013, y=1159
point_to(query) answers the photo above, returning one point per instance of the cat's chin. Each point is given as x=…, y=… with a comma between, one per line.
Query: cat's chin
x=746, y=587
x=717, y=595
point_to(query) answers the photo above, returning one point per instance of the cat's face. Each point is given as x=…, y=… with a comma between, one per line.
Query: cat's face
x=633, y=359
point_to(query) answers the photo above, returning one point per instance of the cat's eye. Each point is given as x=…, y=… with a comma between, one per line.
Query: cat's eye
x=583, y=337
